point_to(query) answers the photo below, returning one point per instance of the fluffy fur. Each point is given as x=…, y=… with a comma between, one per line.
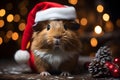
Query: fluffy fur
x=56, y=45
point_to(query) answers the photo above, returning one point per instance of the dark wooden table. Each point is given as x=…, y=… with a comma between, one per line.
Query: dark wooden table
x=9, y=70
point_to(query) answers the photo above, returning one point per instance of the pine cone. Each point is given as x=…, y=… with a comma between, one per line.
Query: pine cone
x=97, y=66
x=104, y=54
x=97, y=70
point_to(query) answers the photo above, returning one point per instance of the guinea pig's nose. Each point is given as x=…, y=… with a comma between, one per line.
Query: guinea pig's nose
x=57, y=37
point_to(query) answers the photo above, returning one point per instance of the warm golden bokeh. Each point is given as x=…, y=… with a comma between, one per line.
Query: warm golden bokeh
x=83, y=21
x=97, y=29
x=16, y=18
x=10, y=18
x=1, y=40
x=9, y=34
x=106, y=17
x=73, y=1
x=21, y=26
x=93, y=42
x=100, y=8
x=2, y=23
x=15, y=36
x=2, y=12
x=118, y=22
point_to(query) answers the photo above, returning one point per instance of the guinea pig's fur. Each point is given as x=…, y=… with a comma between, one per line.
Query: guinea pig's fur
x=56, y=45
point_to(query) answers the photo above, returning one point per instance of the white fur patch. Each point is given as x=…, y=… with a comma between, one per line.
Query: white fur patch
x=54, y=58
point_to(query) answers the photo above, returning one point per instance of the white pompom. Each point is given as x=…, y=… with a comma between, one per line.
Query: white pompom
x=22, y=56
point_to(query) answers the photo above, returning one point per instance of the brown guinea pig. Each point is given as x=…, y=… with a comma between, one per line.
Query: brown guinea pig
x=56, y=46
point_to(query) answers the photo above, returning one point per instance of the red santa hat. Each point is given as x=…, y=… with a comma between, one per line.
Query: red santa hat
x=41, y=12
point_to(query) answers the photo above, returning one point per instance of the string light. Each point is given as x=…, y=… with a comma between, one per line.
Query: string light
x=73, y=1
x=93, y=42
x=9, y=34
x=15, y=36
x=10, y=18
x=118, y=22
x=21, y=26
x=106, y=17
x=16, y=18
x=83, y=21
x=2, y=23
x=100, y=8
x=2, y=12
x=98, y=29
x=1, y=40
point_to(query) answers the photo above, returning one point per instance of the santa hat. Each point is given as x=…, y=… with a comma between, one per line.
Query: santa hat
x=41, y=12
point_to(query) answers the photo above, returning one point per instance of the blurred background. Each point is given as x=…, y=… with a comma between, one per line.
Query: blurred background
x=99, y=24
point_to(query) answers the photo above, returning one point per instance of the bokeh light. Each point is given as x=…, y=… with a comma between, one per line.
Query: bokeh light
x=118, y=22
x=98, y=29
x=10, y=18
x=9, y=34
x=1, y=40
x=73, y=1
x=15, y=36
x=93, y=42
x=16, y=18
x=109, y=26
x=21, y=26
x=2, y=12
x=83, y=21
x=106, y=17
x=2, y=23
x=100, y=8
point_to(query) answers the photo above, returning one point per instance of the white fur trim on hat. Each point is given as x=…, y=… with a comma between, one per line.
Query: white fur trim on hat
x=55, y=13
x=22, y=56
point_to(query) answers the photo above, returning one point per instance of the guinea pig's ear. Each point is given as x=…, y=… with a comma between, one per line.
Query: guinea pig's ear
x=40, y=26
x=73, y=25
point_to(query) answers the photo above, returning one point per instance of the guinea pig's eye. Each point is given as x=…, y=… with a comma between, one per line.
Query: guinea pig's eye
x=48, y=27
x=65, y=27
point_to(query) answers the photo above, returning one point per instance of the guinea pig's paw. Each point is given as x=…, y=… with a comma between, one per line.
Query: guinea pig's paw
x=65, y=74
x=45, y=73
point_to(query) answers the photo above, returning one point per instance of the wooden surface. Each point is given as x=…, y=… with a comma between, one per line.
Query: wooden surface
x=9, y=70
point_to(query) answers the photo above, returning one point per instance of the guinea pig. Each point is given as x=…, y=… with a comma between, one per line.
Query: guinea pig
x=56, y=46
